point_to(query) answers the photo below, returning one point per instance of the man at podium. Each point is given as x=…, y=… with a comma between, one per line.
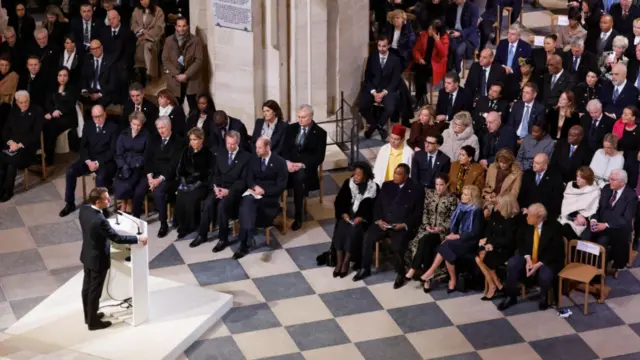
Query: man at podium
x=95, y=254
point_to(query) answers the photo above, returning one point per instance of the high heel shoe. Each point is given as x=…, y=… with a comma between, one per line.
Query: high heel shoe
x=426, y=289
x=344, y=274
x=336, y=273
x=449, y=291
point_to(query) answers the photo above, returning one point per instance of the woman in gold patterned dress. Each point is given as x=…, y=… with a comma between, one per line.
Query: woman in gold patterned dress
x=465, y=172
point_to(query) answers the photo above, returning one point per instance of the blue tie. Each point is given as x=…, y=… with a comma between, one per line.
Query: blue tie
x=571, y=150
x=638, y=81
x=538, y=178
x=616, y=93
x=511, y=54
x=263, y=164
x=230, y=158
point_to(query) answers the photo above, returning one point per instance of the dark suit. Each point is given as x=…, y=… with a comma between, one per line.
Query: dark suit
x=217, y=134
x=469, y=35
x=311, y=153
x=48, y=56
x=232, y=177
x=586, y=62
x=178, y=121
x=149, y=109
x=277, y=136
x=624, y=24
x=76, y=27
x=485, y=105
x=477, y=79
x=107, y=80
x=517, y=112
x=550, y=94
x=523, y=50
x=628, y=96
x=17, y=55
x=37, y=87
x=261, y=212
x=380, y=78
x=593, y=137
x=424, y=172
x=64, y=102
x=395, y=205
x=551, y=254
x=490, y=143
x=207, y=125
x=94, y=146
x=462, y=102
x=95, y=257
x=549, y=192
x=121, y=49
x=553, y=119
x=25, y=31
x=595, y=45
x=619, y=219
x=567, y=165
x=633, y=68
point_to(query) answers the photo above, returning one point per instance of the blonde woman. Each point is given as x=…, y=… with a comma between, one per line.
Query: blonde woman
x=606, y=160
x=426, y=125
x=579, y=202
x=459, y=134
x=499, y=243
x=615, y=56
x=503, y=177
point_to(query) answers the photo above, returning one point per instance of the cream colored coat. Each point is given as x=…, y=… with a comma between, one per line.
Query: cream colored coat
x=382, y=160
x=147, y=49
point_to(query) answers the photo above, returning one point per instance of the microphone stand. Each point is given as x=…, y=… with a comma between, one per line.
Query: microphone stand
x=135, y=222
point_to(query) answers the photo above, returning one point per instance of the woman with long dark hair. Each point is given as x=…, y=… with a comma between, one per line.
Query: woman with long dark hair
x=60, y=113
x=430, y=59
x=202, y=116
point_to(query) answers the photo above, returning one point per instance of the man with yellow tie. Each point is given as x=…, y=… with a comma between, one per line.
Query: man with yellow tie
x=540, y=253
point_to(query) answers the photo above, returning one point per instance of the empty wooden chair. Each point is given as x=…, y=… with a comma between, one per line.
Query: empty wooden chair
x=586, y=260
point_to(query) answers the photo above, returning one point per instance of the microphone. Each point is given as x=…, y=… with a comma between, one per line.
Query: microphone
x=135, y=222
x=117, y=221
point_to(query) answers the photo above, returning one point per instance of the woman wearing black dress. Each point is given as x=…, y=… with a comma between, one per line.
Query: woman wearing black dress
x=499, y=244
x=563, y=116
x=202, y=117
x=629, y=143
x=587, y=90
x=130, y=148
x=60, y=113
x=194, y=173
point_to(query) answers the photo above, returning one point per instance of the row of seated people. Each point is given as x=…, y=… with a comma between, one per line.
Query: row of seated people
x=446, y=225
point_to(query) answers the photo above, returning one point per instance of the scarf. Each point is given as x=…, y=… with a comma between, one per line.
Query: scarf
x=181, y=40
x=618, y=128
x=358, y=194
x=467, y=221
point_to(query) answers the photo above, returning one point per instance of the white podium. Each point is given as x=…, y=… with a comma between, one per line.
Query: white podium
x=129, y=279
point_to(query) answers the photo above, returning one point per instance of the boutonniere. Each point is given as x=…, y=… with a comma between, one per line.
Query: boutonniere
x=64, y=93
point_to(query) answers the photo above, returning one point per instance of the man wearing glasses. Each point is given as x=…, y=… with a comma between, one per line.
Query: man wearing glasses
x=428, y=162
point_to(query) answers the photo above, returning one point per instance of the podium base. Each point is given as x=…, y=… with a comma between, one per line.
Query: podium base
x=179, y=315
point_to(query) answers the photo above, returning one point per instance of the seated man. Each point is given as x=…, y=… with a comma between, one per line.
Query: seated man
x=486, y=104
x=555, y=82
x=266, y=180
x=452, y=98
x=429, y=162
x=570, y=154
x=483, y=74
x=229, y=183
x=48, y=55
x=85, y=27
x=618, y=93
x=97, y=155
x=540, y=252
x=542, y=185
x=20, y=141
x=137, y=102
x=397, y=213
x=611, y=225
x=462, y=22
x=526, y=111
x=162, y=156
x=34, y=82
x=14, y=49
x=511, y=49
x=221, y=125
x=304, y=149
x=391, y=155
x=99, y=83
x=495, y=138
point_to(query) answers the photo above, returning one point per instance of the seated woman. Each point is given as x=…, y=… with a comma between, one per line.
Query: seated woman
x=60, y=113
x=587, y=90
x=168, y=106
x=499, y=243
x=628, y=133
x=56, y=25
x=465, y=230
x=459, y=134
x=610, y=58
x=429, y=59
x=426, y=125
x=401, y=34
x=8, y=85
x=130, y=148
x=73, y=60
x=562, y=117
x=465, y=171
x=439, y=205
x=354, y=212
x=202, y=117
x=606, y=160
x=538, y=141
x=147, y=23
x=515, y=84
x=503, y=177
x=579, y=202
x=571, y=32
x=194, y=174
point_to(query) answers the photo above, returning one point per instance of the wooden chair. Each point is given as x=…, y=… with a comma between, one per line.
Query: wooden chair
x=43, y=165
x=321, y=179
x=377, y=252
x=586, y=261
x=146, y=207
x=554, y=23
x=474, y=57
x=84, y=185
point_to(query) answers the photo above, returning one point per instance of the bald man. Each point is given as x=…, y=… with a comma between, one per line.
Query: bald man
x=120, y=43
x=570, y=154
x=619, y=93
x=99, y=83
x=483, y=74
x=541, y=185
x=555, y=82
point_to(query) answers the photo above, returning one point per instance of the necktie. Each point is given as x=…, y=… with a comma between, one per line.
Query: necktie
x=263, y=164
x=525, y=122
x=383, y=60
x=483, y=83
x=538, y=178
x=625, y=13
x=492, y=104
x=536, y=242
x=230, y=158
x=554, y=78
x=510, y=55
x=96, y=73
x=114, y=33
x=450, y=107
x=86, y=36
x=301, y=138
x=223, y=131
x=638, y=80
x=592, y=134
x=572, y=148
x=613, y=198
x=609, y=2
x=616, y=93
x=429, y=164
x=99, y=128
x=575, y=63
x=164, y=143
x=138, y=108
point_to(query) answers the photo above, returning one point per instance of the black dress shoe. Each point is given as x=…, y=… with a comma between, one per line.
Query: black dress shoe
x=99, y=325
x=507, y=303
x=182, y=235
x=6, y=197
x=68, y=209
x=449, y=291
x=164, y=230
x=543, y=304
x=336, y=273
x=369, y=132
x=362, y=274
x=383, y=134
x=221, y=245
x=400, y=281
x=239, y=254
x=296, y=225
x=99, y=315
x=344, y=274
x=197, y=241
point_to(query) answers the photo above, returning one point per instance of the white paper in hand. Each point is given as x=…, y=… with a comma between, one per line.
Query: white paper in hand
x=248, y=192
x=538, y=41
x=563, y=20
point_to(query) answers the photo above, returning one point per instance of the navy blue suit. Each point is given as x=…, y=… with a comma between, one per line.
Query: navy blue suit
x=517, y=112
x=468, y=41
x=628, y=96
x=424, y=173
x=490, y=144
x=277, y=137
x=523, y=50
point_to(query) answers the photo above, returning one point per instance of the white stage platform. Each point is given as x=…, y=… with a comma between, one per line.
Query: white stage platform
x=179, y=315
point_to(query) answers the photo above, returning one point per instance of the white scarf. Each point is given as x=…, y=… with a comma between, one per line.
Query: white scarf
x=165, y=111
x=584, y=201
x=356, y=197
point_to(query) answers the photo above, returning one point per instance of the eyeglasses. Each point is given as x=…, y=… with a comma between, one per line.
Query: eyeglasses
x=431, y=142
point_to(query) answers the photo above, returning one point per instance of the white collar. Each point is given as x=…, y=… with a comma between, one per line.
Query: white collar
x=266, y=159
x=99, y=59
x=85, y=22
x=558, y=74
x=117, y=30
x=513, y=44
x=606, y=35
x=539, y=226
x=541, y=174
x=95, y=208
x=621, y=86
x=455, y=92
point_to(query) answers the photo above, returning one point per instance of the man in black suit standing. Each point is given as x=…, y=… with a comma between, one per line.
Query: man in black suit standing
x=596, y=125
x=493, y=101
x=266, y=181
x=570, y=154
x=85, y=27
x=540, y=253
x=382, y=78
x=578, y=61
x=556, y=81
x=599, y=42
x=34, y=82
x=619, y=93
x=137, y=102
x=526, y=112
x=99, y=83
x=623, y=14
x=97, y=155
x=541, y=185
x=120, y=43
x=229, y=183
x=304, y=150
x=274, y=129
x=397, y=214
x=452, y=98
x=483, y=74
x=95, y=254
x=494, y=138
x=429, y=162
x=611, y=225
x=222, y=124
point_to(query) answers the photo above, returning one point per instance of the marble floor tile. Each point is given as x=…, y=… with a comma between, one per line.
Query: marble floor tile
x=22, y=306
x=420, y=317
x=56, y=233
x=322, y=280
x=540, y=325
x=201, y=253
x=612, y=341
x=265, y=343
x=224, y=348
x=41, y=193
x=369, y=326
x=21, y=262
x=218, y=271
x=43, y=213
x=62, y=255
x=218, y=330
x=10, y=218
x=284, y=286
x=244, y=292
x=317, y=334
x=569, y=347
x=350, y=302
x=408, y=295
x=345, y=351
x=16, y=239
x=7, y=317
x=627, y=308
x=490, y=334
x=179, y=273
x=40, y=283
x=258, y=265
x=464, y=310
x=397, y=347
x=168, y=257
x=439, y=343
x=250, y=318
x=310, y=233
x=305, y=256
x=517, y=351
x=300, y=310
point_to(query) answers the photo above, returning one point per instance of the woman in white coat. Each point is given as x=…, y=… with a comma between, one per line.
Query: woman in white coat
x=580, y=201
x=459, y=134
x=607, y=159
x=391, y=155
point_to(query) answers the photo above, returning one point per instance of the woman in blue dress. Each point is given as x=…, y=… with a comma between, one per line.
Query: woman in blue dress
x=130, y=148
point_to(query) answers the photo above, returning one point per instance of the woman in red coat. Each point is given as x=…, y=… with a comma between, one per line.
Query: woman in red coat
x=432, y=44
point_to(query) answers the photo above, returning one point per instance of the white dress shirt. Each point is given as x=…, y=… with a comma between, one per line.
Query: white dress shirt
x=68, y=59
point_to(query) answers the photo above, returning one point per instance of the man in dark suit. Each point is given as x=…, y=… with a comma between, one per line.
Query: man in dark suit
x=483, y=74
x=15, y=49
x=221, y=125
x=229, y=183
x=86, y=27
x=95, y=254
x=162, y=156
x=623, y=14
x=612, y=224
x=382, y=77
x=266, y=181
x=540, y=253
x=486, y=104
x=452, y=98
x=397, y=214
x=579, y=62
x=633, y=68
x=542, y=185
x=461, y=21
x=602, y=41
x=526, y=112
x=570, y=154
x=274, y=130
x=99, y=79
x=120, y=43
x=596, y=125
x=428, y=163
x=34, y=82
x=48, y=55
x=511, y=49
x=494, y=138
x=556, y=81
x=137, y=102
x=97, y=155
x=619, y=93
x=304, y=150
